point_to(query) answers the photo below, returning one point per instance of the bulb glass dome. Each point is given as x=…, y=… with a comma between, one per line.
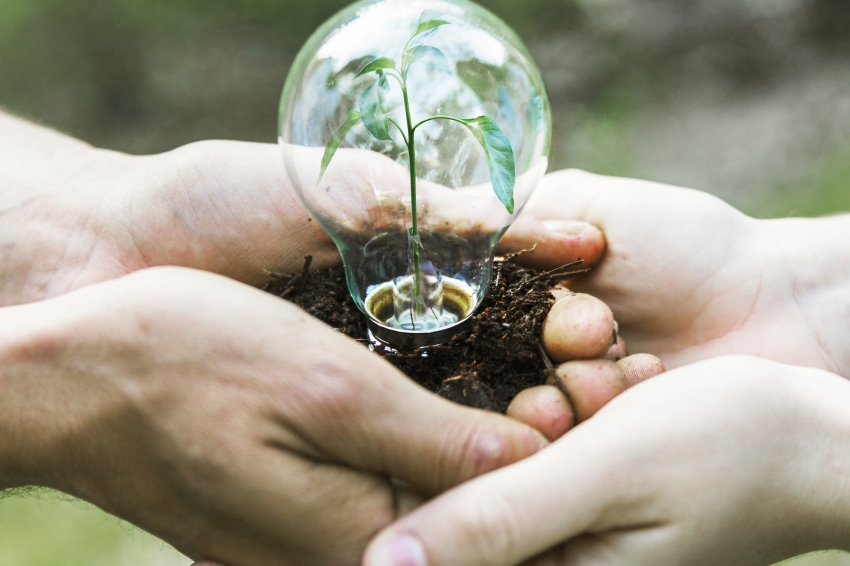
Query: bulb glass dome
x=415, y=131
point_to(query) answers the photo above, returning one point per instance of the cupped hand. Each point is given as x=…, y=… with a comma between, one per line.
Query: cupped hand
x=219, y=206
x=228, y=422
x=736, y=460
x=82, y=215
x=689, y=277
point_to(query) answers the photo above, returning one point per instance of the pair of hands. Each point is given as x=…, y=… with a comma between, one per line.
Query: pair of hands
x=250, y=446
x=723, y=460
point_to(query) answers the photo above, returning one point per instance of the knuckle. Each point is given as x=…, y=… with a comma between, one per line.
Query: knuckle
x=482, y=450
x=330, y=396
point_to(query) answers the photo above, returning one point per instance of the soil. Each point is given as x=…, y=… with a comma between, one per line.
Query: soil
x=485, y=366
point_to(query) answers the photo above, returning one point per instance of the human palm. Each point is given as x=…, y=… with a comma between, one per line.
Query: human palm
x=688, y=276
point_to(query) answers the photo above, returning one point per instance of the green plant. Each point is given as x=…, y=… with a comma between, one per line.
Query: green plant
x=375, y=115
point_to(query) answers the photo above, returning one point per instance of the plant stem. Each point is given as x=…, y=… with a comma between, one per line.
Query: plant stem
x=414, y=231
x=432, y=118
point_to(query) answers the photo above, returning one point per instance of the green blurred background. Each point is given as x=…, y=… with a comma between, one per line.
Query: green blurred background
x=746, y=99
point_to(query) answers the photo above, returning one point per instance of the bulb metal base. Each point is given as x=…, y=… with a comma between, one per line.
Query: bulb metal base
x=458, y=302
x=407, y=340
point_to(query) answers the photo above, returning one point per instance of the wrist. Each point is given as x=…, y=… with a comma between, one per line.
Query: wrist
x=68, y=228
x=33, y=408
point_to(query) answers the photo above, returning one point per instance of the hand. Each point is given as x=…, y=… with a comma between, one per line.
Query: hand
x=689, y=278
x=226, y=421
x=732, y=461
x=74, y=215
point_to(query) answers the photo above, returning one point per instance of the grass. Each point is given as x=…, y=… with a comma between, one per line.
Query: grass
x=43, y=528
x=826, y=190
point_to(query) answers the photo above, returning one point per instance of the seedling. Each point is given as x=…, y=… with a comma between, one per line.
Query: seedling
x=376, y=116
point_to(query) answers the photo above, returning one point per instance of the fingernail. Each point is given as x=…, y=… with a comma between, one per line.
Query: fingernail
x=403, y=550
x=568, y=227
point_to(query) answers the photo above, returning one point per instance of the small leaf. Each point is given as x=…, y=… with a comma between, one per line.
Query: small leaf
x=373, y=109
x=430, y=19
x=377, y=65
x=428, y=55
x=500, y=157
x=336, y=140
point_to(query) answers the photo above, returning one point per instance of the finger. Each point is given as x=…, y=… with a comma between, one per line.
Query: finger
x=618, y=350
x=364, y=413
x=511, y=515
x=591, y=384
x=579, y=327
x=544, y=408
x=575, y=195
x=554, y=242
x=640, y=367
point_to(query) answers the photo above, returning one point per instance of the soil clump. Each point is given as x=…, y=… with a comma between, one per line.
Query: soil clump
x=484, y=366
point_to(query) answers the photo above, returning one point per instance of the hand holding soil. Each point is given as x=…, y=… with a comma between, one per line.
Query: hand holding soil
x=580, y=333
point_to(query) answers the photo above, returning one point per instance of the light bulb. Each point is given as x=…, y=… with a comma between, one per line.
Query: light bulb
x=414, y=131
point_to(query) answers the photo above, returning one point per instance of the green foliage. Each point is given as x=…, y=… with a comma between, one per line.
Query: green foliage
x=500, y=157
x=429, y=20
x=430, y=56
x=373, y=109
x=376, y=118
x=377, y=65
x=336, y=140
x=375, y=114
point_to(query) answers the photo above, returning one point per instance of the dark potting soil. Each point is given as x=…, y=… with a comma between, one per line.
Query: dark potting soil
x=485, y=366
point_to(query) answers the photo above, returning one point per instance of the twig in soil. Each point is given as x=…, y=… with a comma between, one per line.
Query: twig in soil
x=515, y=255
x=547, y=274
x=550, y=369
x=305, y=271
x=276, y=275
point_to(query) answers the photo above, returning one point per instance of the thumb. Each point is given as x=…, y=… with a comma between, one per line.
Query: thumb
x=555, y=242
x=427, y=442
x=508, y=516
x=364, y=413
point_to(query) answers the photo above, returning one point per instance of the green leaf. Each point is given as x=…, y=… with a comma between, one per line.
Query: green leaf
x=428, y=55
x=500, y=157
x=377, y=65
x=430, y=19
x=374, y=111
x=336, y=140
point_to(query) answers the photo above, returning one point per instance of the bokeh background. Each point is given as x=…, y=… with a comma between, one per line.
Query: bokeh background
x=746, y=99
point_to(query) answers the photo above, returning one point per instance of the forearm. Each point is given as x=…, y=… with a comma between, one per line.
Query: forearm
x=59, y=199
x=32, y=407
x=33, y=159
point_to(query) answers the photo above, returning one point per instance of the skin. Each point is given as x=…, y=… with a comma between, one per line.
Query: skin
x=591, y=384
x=688, y=277
x=74, y=215
x=700, y=466
x=640, y=367
x=578, y=327
x=736, y=460
x=545, y=408
x=210, y=414
x=165, y=396
x=617, y=351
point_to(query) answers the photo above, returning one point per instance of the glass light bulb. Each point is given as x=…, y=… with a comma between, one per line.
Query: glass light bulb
x=415, y=131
